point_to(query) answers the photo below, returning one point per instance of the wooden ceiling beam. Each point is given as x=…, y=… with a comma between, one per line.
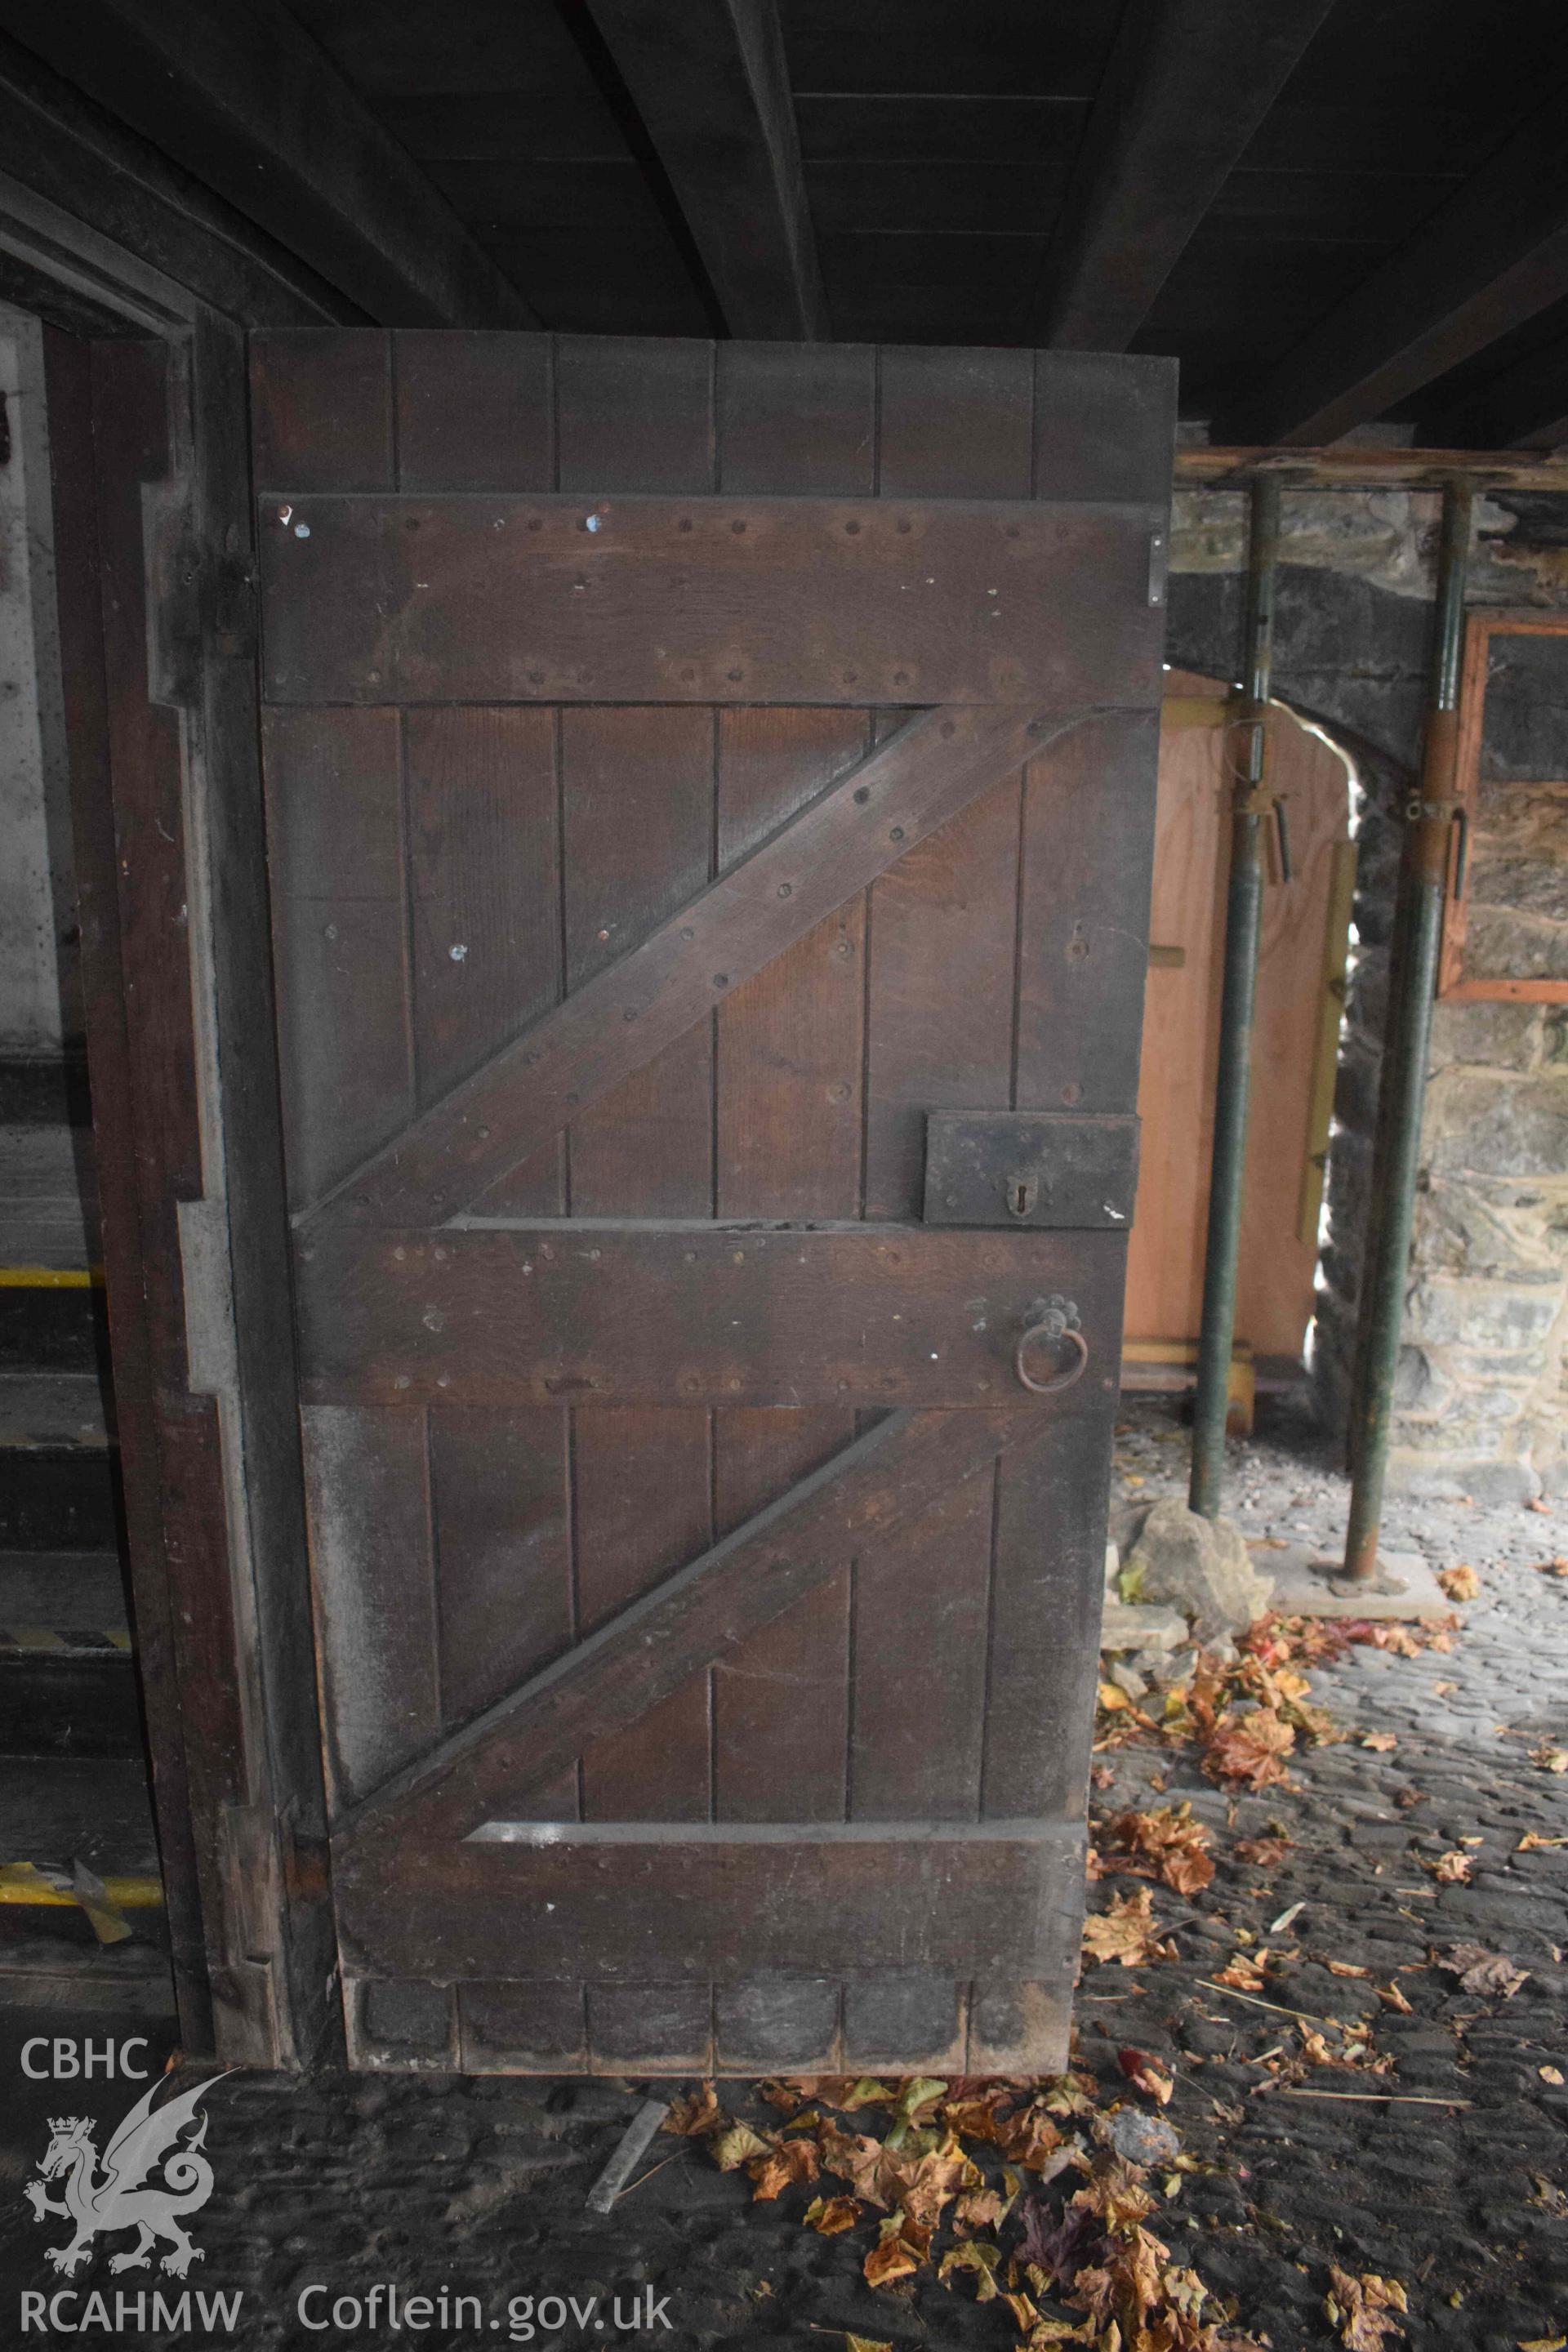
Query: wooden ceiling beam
x=1490, y=257
x=1187, y=84
x=1523, y=406
x=1214, y=468
x=710, y=83
x=245, y=101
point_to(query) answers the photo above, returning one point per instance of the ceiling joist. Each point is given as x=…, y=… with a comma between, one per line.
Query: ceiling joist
x=1492, y=257
x=247, y=103
x=1220, y=469
x=1187, y=84
x=709, y=82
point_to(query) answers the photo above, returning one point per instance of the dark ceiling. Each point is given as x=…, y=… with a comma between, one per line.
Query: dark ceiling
x=1331, y=215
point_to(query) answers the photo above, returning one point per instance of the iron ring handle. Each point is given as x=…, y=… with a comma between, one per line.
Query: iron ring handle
x=1075, y=1371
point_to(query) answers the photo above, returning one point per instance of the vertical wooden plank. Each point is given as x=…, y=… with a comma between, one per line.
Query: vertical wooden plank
x=1084, y=929
x=637, y=414
x=483, y=880
x=499, y=1498
x=1101, y=431
x=789, y=1040
x=643, y=1508
x=368, y=1495
x=781, y=1701
x=920, y=1641
x=941, y=955
x=335, y=824
x=939, y=1009
x=1104, y=426
x=637, y=789
x=322, y=409
x=788, y=1124
x=955, y=423
x=797, y=421
x=476, y=409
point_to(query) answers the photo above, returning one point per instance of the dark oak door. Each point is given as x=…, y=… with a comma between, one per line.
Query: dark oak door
x=711, y=796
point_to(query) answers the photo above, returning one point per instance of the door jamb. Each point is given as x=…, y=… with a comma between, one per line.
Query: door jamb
x=209, y=1434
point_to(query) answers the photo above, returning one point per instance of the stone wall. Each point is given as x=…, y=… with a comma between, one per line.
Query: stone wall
x=1482, y=1405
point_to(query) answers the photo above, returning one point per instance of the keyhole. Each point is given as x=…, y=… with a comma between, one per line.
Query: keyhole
x=1020, y=1199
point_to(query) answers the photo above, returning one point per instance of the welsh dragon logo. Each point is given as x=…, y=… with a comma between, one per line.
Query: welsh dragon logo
x=123, y=2195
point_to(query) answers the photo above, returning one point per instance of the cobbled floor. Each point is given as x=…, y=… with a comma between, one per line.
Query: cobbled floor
x=1457, y=2186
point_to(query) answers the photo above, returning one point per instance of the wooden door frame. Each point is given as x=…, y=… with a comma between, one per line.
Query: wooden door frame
x=198, y=1271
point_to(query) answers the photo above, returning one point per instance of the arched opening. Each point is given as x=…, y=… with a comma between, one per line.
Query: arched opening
x=1301, y=995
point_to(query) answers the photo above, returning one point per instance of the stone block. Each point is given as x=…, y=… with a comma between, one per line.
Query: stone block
x=1201, y=1567
x=1122, y=1628
x=1495, y=1125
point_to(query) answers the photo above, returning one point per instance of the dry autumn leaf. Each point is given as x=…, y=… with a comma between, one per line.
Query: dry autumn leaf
x=865, y=2344
x=1168, y=1839
x=1262, y=1853
x=736, y=2145
x=979, y=2259
x=1553, y=2074
x=830, y=2215
x=785, y=2167
x=1381, y=1743
x=1549, y=1759
x=1460, y=1583
x=1542, y=2343
x=1452, y=1869
x=1241, y=1973
x=700, y=2113
x=1147, y=2073
x=1249, y=1747
x=1127, y=1932
x=1363, y=2308
x=1491, y=1974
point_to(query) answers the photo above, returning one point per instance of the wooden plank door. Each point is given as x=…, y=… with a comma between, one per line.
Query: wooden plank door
x=692, y=772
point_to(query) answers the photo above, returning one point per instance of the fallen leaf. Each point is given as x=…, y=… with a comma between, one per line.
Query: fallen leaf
x=699, y=2112
x=1549, y=1759
x=1542, y=2343
x=1362, y=2308
x=1147, y=2073
x=1452, y=1869
x=901, y=2247
x=920, y=2091
x=1241, y=1973
x=1111, y=1699
x=865, y=2344
x=1262, y=1853
x=1532, y=1842
x=1175, y=1843
x=1481, y=1971
x=1381, y=1743
x=1249, y=1747
x=1461, y=1582
x=1551, y=2075
x=1127, y=1932
x=1536, y=1504
x=1347, y=1968
x=785, y=2167
x=1392, y=1997
x=827, y=2216
x=736, y=2145
x=979, y=2259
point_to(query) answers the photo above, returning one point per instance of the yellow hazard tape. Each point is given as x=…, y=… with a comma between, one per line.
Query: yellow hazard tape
x=50, y=1277
x=24, y=1882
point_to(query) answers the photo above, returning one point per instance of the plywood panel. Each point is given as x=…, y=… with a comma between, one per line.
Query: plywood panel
x=1165, y=1286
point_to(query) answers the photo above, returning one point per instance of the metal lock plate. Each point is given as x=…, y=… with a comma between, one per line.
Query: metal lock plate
x=1030, y=1168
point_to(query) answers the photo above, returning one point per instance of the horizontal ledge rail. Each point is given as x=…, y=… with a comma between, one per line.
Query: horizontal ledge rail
x=863, y=1315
